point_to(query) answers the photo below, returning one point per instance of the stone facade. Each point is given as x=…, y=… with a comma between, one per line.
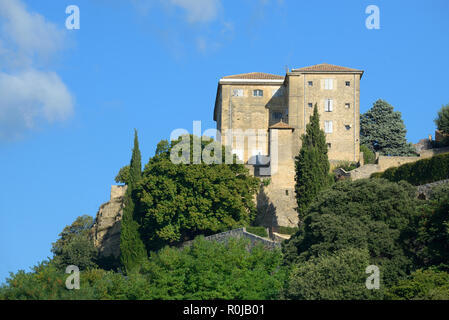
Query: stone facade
x=277, y=109
x=106, y=229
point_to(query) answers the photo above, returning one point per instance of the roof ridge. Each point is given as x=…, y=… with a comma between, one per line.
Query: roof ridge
x=326, y=67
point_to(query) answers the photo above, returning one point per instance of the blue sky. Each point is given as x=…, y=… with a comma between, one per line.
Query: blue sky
x=69, y=99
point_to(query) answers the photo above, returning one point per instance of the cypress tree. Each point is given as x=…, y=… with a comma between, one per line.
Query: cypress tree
x=312, y=164
x=132, y=249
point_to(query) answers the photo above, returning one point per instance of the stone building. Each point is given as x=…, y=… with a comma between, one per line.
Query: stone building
x=274, y=110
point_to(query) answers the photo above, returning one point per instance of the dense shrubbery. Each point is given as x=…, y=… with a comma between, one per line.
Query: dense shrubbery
x=365, y=214
x=419, y=172
x=428, y=284
x=333, y=276
x=205, y=270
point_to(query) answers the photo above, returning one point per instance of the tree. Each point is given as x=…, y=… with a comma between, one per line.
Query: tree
x=429, y=233
x=370, y=214
x=213, y=270
x=75, y=245
x=335, y=276
x=123, y=175
x=382, y=130
x=181, y=201
x=442, y=121
x=430, y=284
x=132, y=249
x=312, y=164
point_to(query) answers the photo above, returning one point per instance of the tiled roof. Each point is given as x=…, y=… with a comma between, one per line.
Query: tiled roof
x=255, y=76
x=325, y=67
x=280, y=125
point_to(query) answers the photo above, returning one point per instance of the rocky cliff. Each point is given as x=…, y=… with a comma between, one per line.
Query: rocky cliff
x=106, y=229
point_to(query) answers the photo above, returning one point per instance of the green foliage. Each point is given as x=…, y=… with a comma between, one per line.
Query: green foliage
x=429, y=233
x=132, y=249
x=212, y=270
x=266, y=182
x=287, y=230
x=258, y=231
x=420, y=172
x=337, y=276
x=347, y=165
x=376, y=175
x=428, y=284
x=363, y=214
x=369, y=157
x=123, y=175
x=46, y=282
x=75, y=246
x=442, y=121
x=204, y=270
x=382, y=130
x=181, y=201
x=311, y=165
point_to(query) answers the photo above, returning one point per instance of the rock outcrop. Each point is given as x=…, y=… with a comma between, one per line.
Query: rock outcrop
x=106, y=229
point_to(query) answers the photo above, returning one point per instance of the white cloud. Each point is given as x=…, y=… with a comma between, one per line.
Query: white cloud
x=199, y=10
x=29, y=96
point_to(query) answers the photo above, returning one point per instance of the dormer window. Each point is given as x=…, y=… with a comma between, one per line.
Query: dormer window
x=257, y=93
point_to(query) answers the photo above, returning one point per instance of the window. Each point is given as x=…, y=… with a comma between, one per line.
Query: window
x=347, y=105
x=310, y=104
x=237, y=92
x=348, y=83
x=328, y=126
x=328, y=84
x=310, y=83
x=328, y=105
x=329, y=145
x=257, y=93
x=348, y=126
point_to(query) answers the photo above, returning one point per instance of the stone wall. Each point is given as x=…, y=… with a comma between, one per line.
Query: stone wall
x=238, y=234
x=385, y=162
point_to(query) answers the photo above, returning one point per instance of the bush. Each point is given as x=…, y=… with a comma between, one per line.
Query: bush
x=258, y=231
x=336, y=276
x=347, y=165
x=369, y=157
x=213, y=270
x=287, y=230
x=363, y=214
x=420, y=172
x=428, y=284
